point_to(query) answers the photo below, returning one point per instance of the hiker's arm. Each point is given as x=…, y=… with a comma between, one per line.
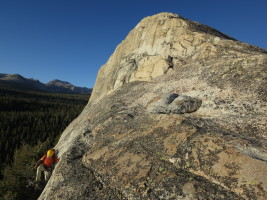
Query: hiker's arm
x=38, y=163
x=56, y=159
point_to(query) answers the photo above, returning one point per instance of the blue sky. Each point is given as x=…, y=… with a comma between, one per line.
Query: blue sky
x=71, y=39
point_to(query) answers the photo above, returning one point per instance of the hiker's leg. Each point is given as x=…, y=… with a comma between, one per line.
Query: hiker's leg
x=47, y=174
x=39, y=172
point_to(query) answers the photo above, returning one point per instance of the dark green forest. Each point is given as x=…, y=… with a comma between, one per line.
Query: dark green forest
x=30, y=123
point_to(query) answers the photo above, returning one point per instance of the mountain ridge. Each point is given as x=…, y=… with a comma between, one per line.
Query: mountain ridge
x=54, y=86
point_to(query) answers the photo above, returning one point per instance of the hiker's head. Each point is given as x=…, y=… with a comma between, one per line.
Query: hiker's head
x=50, y=152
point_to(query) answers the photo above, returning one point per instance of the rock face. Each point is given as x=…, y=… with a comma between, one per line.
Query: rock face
x=177, y=112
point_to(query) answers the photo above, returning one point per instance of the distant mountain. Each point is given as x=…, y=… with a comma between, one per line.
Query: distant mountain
x=55, y=86
x=61, y=86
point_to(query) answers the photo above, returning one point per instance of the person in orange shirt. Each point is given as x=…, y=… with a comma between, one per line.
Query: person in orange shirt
x=46, y=164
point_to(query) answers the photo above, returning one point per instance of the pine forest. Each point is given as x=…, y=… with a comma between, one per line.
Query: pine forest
x=30, y=123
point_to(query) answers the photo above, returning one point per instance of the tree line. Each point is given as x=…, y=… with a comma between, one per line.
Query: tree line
x=30, y=123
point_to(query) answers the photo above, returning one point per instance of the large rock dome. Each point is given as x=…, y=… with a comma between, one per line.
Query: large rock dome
x=177, y=112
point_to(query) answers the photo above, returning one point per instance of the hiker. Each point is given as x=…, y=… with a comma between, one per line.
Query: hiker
x=46, y=164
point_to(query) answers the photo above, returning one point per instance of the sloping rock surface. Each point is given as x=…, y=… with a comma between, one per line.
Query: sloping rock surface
x=177, y=112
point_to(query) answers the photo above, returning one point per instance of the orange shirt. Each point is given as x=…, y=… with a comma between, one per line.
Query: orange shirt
x=49, y=161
